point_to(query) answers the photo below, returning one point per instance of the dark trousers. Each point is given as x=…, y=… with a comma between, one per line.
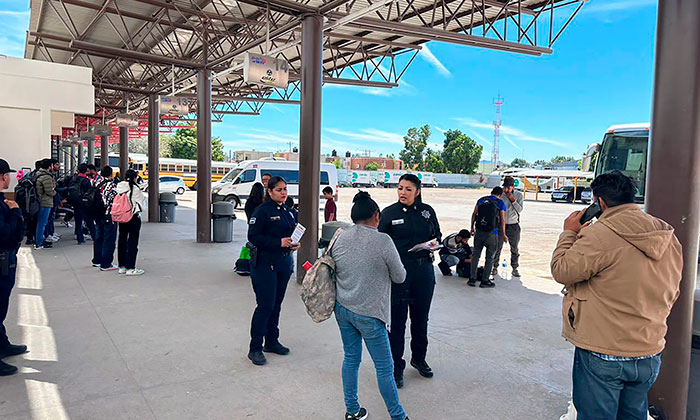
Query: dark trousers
x=6, y=284
x=609, y=390
x=413, y=296
x=484, y=240
x=128, y=245
x=30, y=226
x=270, y=285
x=50, y=228
x=80, y=217
x=104, y=242
x=513, y=234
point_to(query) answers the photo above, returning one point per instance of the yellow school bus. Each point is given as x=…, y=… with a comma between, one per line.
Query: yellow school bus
x=184, y=168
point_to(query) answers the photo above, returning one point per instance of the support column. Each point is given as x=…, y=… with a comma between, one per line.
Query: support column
x=310, y=138
x=153, y=152
x=66, y=160
x=91, y=150
x=203, y=156
x=61, y=158
x=104, y=151
x=123, y=151
x=674, y=153
x=72, y=159
x=81, y=152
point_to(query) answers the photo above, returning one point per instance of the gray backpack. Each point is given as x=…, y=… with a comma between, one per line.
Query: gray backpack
x=318, y=288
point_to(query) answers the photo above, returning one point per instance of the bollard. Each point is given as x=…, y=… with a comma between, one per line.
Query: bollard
x=537, y=189
x=167, y=202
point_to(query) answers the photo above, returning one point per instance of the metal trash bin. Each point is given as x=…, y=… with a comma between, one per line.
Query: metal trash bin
x=328, y=230
x=223, y=217
x=167, y=203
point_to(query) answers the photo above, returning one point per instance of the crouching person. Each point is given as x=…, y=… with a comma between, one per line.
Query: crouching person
x=363, y=307
x=622, y=276
x=456, y=251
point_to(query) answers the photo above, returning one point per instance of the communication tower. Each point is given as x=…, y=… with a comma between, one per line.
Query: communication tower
x=496, y=132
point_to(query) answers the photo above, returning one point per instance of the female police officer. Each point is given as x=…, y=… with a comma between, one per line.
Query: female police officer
x=410, y=222
x=270, y=229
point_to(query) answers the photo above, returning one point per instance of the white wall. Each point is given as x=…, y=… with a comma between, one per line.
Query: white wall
x=29, y=91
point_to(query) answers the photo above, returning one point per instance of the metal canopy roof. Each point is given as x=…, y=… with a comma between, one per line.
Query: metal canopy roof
x=137, y=47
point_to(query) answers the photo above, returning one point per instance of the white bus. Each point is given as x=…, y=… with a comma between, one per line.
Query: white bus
x=235, y=186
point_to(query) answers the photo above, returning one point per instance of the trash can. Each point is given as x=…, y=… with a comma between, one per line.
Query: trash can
x=167, y=202
x=328, y=230
x=223, y=216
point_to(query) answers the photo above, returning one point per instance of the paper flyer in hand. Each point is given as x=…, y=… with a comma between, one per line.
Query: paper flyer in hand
x=298, y=233
x=431, y=245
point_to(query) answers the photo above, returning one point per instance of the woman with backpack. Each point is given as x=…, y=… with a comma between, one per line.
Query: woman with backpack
x=126, y=210
x=256, y=198
x=363, y=303
x=410, y=222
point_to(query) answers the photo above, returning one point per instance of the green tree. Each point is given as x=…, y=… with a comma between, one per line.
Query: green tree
x=183, y=145
x=337, y=164
x=415, y=142
x=164, y=147
x=460, y=153
x=390, y=156
x=519, y=163
x=539, y=162
x=433, y=162
x=562, y=159
x=372, y=166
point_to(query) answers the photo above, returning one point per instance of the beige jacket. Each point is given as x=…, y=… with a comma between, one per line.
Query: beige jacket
x=622, y=276
x=138, y=199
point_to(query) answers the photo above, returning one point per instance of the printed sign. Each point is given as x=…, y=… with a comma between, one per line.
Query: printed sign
x=173, y=105
x=264, y=70
x=126, y=120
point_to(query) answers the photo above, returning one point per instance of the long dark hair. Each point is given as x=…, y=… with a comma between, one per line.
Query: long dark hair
x=363, y=208
x=257, y=193
x=413, y=179
x=131, y=176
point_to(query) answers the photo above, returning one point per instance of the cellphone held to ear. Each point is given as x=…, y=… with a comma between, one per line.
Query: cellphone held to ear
x=593, y=211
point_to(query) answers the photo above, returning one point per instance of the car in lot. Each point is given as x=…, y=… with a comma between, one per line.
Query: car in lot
x=566, y=193
x=586, y=195
x=174, y=184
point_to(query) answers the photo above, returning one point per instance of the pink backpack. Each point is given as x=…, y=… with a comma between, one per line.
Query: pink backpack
x=122, y=211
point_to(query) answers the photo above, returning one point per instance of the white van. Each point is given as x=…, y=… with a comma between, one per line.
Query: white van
x=391, y=178
x=235, y=186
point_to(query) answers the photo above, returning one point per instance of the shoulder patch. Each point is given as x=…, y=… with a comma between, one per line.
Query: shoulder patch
x=426, y=214
x=252, y=221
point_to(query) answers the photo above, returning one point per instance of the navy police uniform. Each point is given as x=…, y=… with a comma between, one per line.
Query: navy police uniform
x=11, y=233
x=409, y=226
x=271, y=268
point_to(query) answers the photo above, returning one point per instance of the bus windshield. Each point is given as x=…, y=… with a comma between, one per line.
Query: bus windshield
x=626, y=152
x=229, y=177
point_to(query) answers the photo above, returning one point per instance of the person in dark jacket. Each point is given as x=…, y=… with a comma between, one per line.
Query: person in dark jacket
x=270, y=230
x=82, y=184
x=410, y=222
x=456, y=251
x=256, y=198
x=11, y=233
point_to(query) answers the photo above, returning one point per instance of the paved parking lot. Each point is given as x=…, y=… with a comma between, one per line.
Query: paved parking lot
x=172, y=344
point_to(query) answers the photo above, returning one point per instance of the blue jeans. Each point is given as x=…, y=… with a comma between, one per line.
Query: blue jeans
x=605, y=390
x=104, y=242
x=354, y=328
x=49, y=230
x=41, y=221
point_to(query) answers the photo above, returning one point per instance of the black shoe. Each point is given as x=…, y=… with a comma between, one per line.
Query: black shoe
x=398, y=377
x=361, y=415
x=12, y=350
x=7, y=370
x=277, y=349
x=516, y=273
x=257, y=357
x=471, y=282
x=423, y=368
x=445, y=269
x=488, y=284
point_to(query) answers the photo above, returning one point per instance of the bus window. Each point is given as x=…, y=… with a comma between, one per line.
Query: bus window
x=626, y=152
x=231, y=175
x=291, y=176
x=178, y=168
x=324, y=178
x=248, y=175
x=171, y=168
x=114, y=161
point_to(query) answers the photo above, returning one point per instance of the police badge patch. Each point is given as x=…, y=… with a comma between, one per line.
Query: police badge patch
x=426, y=214
x=252, y=221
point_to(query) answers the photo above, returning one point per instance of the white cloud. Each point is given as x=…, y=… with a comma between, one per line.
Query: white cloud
x=16, y=13
x=370, y=135
x=428, y=56
x=512, y=143
x=443, y=131
x=507, y=130
x=617, y=5
x=480, y=137
x=13, y=26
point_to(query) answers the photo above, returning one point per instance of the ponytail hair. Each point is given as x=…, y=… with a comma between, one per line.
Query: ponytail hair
x=363, y=208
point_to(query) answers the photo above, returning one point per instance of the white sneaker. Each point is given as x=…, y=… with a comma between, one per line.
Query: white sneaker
x=57, y=236
x=122, y=270
x=50, y=239
x=68, y=224
x=112, y=268
x=134, y=272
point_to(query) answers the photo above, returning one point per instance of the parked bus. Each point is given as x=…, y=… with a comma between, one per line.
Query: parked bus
x=183, y=168
x=236, y=185
x=625, y=148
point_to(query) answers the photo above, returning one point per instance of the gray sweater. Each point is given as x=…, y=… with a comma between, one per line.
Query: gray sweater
x=366, y=263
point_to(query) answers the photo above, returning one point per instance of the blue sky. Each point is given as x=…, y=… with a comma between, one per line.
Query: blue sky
x=601, y=73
